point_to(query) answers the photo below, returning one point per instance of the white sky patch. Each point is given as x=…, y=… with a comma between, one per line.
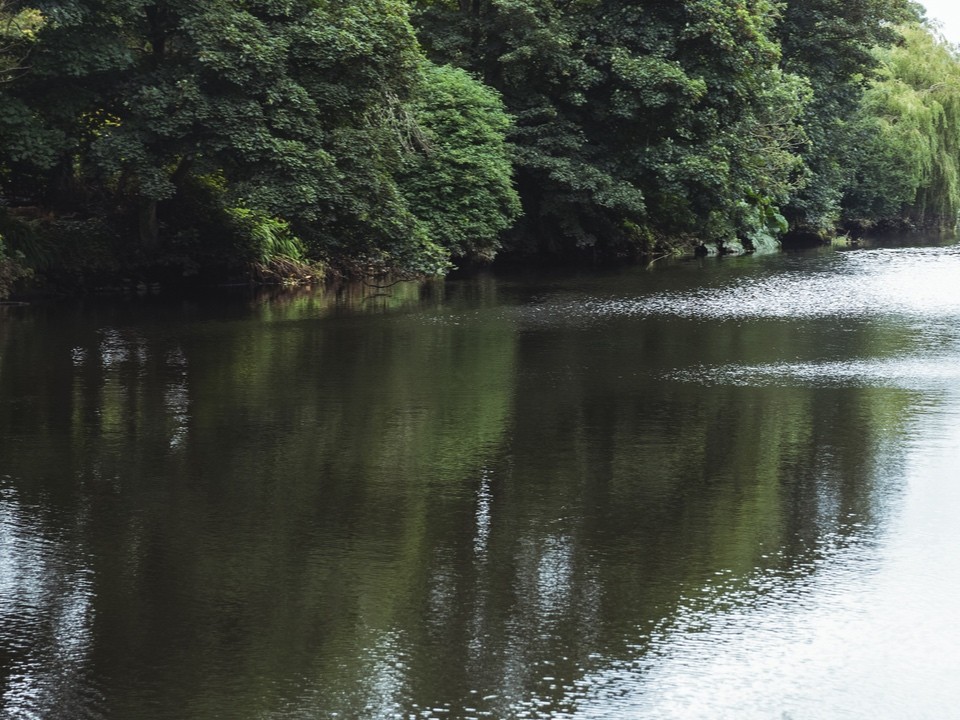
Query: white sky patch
x=947, y=14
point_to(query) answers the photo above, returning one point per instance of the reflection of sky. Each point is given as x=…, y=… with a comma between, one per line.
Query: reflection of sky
x=910, y=284
x=932, y=374
x=866, y=629
x=870, y=633
x=858, y=623
x=118, y=349
x=46, y=609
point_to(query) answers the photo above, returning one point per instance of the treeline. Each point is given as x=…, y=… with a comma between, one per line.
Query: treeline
x=296, y=137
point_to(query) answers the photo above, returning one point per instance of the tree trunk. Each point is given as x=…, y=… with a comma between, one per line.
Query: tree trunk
x=149, y=224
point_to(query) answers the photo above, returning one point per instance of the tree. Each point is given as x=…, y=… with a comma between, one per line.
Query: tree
x=831, y=43
x=908, y=164
x=17, y=29
x=291, y=110
x=457, y=175
x=634, y=121
x=220, y=131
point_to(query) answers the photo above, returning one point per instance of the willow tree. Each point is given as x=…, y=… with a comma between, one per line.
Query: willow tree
x=908, y=164
x=832, y=43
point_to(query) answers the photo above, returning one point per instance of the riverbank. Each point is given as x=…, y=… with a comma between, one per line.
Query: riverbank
x=44, y=255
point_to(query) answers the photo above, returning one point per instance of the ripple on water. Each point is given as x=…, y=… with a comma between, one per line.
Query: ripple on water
x=909, y=282
x=906, y=373
x=46, y=619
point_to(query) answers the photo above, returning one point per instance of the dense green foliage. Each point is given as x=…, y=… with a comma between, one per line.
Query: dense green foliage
x=635, y=120
x=404, y=135
x=288, y=104
x=908, y=166
x=831, y=43
x=459, y=180
x=18, y=27
x=17, y=30
x=292, y=114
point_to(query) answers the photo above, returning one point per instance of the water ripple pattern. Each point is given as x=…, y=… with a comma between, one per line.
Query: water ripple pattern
x=909, y=282
x=908, y=373
x=46, y=617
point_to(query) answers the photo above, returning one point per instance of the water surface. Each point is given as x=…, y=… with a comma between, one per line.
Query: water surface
x=723, y=489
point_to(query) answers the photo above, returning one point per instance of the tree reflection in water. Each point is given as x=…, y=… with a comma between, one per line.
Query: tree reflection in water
x=478, y=499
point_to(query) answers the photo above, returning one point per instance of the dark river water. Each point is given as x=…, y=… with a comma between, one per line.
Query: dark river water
x=719, y=489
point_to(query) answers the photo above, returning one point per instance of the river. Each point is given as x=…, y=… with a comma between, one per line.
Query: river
x=715, y=489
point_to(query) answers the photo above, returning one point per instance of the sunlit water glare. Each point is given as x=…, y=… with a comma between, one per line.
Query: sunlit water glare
x=919, y=284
